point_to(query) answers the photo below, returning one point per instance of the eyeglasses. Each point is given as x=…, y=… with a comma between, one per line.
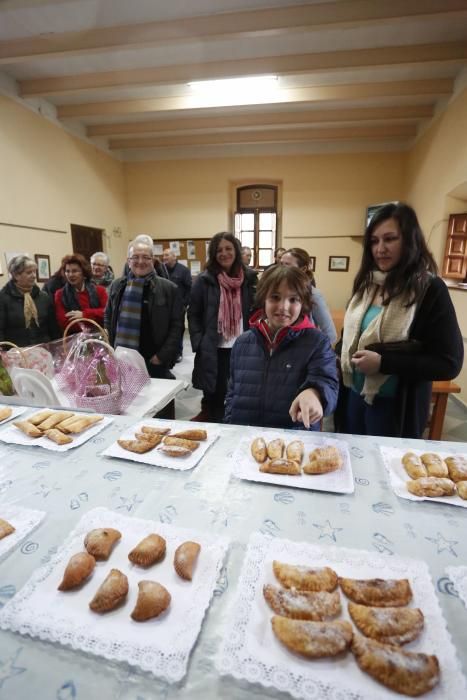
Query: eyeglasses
x=140, y=258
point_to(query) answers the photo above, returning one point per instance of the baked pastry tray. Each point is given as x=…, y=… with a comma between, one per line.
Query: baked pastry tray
x=162, y=645
x=24, y=520
x=251, y=652
x=339, y=481
x=15, y=412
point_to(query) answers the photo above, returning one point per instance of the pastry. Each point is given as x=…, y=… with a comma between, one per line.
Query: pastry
x=457, y=467
x=181, y=442
x=153, y=430
x=6, y=528
x=152, y=438
x=153, y=599
x=435, y=466
x=381, y=592
x=302, y=605
x=432, y=487
x=175, y=451
x=78, y=569
x=403, y=671
x=305, y=578
x=414, y=466
x=323, y=460
x=314, y=640
x=112, y=591
x=53, y=420
x=259, y=449
x=462, y=489
x=83, y=423
x=195, y=434
x=40, y=417
x=281, y=466
x=5, y=413
x=28, y=428
x=63, y=425
x=295, y=450
x=275, y=449
x=137, y=446
x=149, y=551
x=101, y=541
x=388, y=625
x=185, y=558
x=58, y=437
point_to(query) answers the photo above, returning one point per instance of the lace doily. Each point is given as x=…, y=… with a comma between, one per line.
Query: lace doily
x=458, y=575
x=155, y=457
x=251, y=652
x=23, y=520
x=339, y=481
x=392, y=458
x=162, y=645
x=14, y=436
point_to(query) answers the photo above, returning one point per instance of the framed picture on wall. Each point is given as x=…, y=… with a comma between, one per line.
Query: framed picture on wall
x=339, y=263
x=43, y=267
x=312, y=263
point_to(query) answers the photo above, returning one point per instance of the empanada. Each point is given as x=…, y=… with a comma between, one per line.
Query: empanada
x=28, y=428
x=323, y=460
x=175, y=451
x=40, y=417
x=431, y=487
x=185, y=558
x=180, y=442
x=295, y=450
x=305, y=578
x=462, y=489
x=435, y=466
x=275, y=448
x=53, y=420
x=387, y=625
x=381, y=592
x=302, y=605
x=195, y=434
x=151, y=438
x=281, y=466
x=414, y=466
x=5, y=413
x=78, y=569
x=149, y=551
x=6, y=528
x=112, y=591
x=83, y=423
x=63, y=425
x=137, y=446
x=314, y=640
x=153, y=599
x=58, y=437
x=259, y=450
x=457, y=466
x=153, y=430
x=101, y=541
x=403, y=671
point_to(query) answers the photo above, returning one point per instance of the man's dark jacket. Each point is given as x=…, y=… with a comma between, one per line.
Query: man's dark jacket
x=181, y=276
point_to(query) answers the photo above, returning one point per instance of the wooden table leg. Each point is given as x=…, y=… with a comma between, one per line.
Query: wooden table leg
x=437, y=417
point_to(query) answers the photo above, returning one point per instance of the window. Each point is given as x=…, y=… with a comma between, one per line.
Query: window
x=256, y=222
x=455, y=254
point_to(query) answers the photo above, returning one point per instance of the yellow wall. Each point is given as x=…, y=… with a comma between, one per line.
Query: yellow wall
x=51, y=179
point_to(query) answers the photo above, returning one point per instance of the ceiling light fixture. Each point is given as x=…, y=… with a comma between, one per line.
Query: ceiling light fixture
x=236, y=87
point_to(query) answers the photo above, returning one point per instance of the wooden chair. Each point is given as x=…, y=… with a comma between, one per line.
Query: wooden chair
x=439, y=397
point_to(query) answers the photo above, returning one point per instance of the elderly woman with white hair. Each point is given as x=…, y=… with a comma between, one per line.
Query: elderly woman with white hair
x=27, y=314
x=102, y=273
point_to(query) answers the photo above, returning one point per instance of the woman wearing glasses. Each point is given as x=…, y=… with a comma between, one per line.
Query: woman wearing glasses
x=80, y=297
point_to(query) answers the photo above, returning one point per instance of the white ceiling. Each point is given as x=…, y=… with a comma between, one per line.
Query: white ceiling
x=352, y=74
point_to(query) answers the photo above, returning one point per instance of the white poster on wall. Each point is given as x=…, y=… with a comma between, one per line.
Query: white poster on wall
x=157, y=249
x=175, y=247
x=191, y=250
x=195, y=267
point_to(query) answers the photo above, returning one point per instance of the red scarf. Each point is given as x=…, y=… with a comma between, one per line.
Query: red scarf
x=230, y=308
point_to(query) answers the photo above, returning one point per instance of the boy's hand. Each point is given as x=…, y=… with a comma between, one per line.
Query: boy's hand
x=306, y=407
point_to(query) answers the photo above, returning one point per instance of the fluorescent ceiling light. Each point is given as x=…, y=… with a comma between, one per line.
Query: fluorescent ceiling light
x=236, y=87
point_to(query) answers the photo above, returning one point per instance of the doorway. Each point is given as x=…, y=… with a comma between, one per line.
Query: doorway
x=86, y=240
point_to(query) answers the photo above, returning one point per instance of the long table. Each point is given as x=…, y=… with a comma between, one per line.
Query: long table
x=208, y=498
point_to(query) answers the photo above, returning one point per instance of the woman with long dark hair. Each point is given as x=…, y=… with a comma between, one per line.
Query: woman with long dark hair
x=79, y=297
x=220, y=304
x=400, y=330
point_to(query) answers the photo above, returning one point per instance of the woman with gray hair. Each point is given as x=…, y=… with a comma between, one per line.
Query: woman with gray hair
x=101, y=271
x=27, y=314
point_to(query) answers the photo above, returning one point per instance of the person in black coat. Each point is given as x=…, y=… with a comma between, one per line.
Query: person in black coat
x=400, y=331
x=181, y=276
x=283, y=370
x=220, y=305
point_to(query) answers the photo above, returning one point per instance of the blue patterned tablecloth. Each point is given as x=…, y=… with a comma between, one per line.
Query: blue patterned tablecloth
x=65, y=485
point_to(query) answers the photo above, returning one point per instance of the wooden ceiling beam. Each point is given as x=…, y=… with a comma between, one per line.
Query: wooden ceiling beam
x=249, y=23
x=279, y=65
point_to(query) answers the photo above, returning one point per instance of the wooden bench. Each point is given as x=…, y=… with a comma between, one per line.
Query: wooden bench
x=440, y=393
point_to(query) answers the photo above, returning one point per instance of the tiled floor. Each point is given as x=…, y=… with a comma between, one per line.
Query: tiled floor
x=187, y=404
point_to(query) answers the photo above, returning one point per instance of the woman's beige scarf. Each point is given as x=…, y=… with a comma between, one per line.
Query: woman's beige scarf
x=392, y=324
x=30, y=309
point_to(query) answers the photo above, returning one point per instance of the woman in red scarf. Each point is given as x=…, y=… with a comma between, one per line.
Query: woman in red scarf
x=220, y=304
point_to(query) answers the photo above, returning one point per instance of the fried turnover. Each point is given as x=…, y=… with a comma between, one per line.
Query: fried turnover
x=63, y=425
x=380, y=592
x=175, y=451
x=185, y=558
x=101, y=541
x=112, y=591
x=302, y=605
x=457, y=466
x=435, y=466
x=295, y=450
x=275, y=449
x=149, y=551
x=281, y=466
x=414, y=466
x=83, y=423
x=323, y=460
x=181, y=442
x=314, y=640
x=28, y=428
x=40, y=417
x=259, y=449
x=152, y=600
x=5, y=413
x=151, y=430
x=462, y=489
x=152, y=438
x=58, y=437
x=137, y=446
x=78, y=569
x=194, y=434
x=387, y=625
x=54, y=419
x=432, y=487
x=305, y=578
x=6, y=528
x=403, y=671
